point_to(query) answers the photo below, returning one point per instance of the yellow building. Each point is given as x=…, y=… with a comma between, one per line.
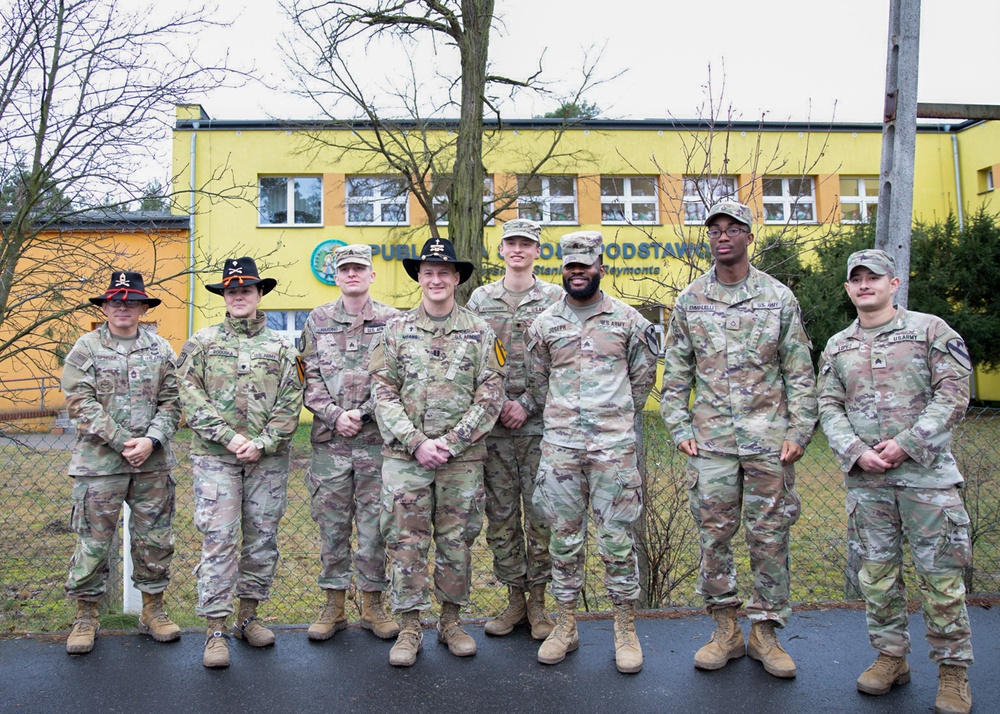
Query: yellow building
x=70, y=256
x=299, y=189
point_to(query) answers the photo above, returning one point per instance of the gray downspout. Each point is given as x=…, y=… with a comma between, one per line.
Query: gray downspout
x=958, y=182
x=191, y=206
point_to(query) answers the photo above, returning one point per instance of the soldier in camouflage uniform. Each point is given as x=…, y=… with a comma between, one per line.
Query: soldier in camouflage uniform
x=520, y=552
x=121, y=394
x=437, y=378
x=736, y=337
x=892, y=387
x=241, y=389
x=345, y=474
x=593, y=363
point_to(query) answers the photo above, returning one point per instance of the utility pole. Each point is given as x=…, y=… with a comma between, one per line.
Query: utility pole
x=894, y=220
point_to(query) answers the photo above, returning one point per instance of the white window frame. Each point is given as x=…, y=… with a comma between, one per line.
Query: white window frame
x=790, y=203
x=378, y=200
x=545, y=201
x=441, y=207
x=986, y=182
x=865, y=203
x=702, y=192
x=289, y=201
x=294, y=321
x=627, y=201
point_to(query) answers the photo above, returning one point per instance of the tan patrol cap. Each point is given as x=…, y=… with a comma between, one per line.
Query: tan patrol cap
x=877, y=261
x=356, y=253
x=733, y=209
x=523, y=228
x=581, y=247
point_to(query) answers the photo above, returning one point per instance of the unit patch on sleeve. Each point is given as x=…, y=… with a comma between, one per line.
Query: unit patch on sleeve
x=957, y=349
x=501, y=352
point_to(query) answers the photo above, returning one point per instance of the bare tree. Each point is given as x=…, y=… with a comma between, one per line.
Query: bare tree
x=439, y=160
x=711, y=169
x=87, y=88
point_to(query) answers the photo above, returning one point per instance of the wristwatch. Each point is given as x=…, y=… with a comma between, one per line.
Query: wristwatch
x=156, y=443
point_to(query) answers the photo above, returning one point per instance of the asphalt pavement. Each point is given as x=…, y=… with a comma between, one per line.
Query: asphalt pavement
x=128, y=672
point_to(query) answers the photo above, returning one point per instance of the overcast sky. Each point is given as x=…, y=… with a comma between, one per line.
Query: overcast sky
x=784, y=59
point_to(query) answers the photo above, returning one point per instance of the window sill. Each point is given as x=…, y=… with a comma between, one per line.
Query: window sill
x=290, y=225
x=377, y=225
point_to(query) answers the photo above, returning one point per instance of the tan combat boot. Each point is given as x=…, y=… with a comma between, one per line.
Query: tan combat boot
x=954, y=695
x=409, y=642
x=374, y=617
x=155, y=622
x=450, y=632
x=726, y=643
x=538, y=616
x=885, y=671
x=764, y=647
x=516, y=613
x=563, y=638
x=248, y=625
x=332, y=619
x=628, y=651
x=85, y=628
x=216, y=652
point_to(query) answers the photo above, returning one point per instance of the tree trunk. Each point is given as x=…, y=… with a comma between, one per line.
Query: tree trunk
x=466, y=216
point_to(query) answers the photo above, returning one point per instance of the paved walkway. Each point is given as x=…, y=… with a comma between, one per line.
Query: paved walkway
x=350, y=673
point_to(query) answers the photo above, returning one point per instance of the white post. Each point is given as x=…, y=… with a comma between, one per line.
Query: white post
x=131, y=597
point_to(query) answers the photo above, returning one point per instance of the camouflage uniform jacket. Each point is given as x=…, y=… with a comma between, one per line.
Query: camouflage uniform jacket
x=334, y=347
x=593, y=376
x=748, y=359
x=113, y=396
x=510, y=323
x=909, y=383
x=435, y=381
x=239, y=376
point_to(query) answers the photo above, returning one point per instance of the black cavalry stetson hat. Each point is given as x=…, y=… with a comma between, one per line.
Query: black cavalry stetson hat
x=237, y=272
x=439, y=250
x=125, y=285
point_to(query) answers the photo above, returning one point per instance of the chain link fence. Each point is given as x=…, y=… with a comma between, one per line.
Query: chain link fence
x=36, y=540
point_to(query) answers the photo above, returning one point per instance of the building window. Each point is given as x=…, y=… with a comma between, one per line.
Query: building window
x=629, y=200
x=858, y=199
x=288, y=322
x=377, y=200
x=986, y=180
x=290, y=201
x=789, y=200
x=547, y=199
x=703, y=192
x=441, y=201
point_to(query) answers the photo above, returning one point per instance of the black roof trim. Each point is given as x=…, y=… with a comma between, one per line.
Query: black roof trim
x=101, y=220
x=582, y=124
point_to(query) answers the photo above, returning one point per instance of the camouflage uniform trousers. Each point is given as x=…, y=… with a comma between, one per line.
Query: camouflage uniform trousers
x=719, y=487
x=345, y=485
x=520, y=552
x=97, y=505
x=416, y=502
x=230, y=500
x=607, y=480
x=936, y=526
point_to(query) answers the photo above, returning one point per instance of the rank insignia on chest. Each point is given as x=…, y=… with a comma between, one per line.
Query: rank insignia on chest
x=587, y=344
x=733, y=322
